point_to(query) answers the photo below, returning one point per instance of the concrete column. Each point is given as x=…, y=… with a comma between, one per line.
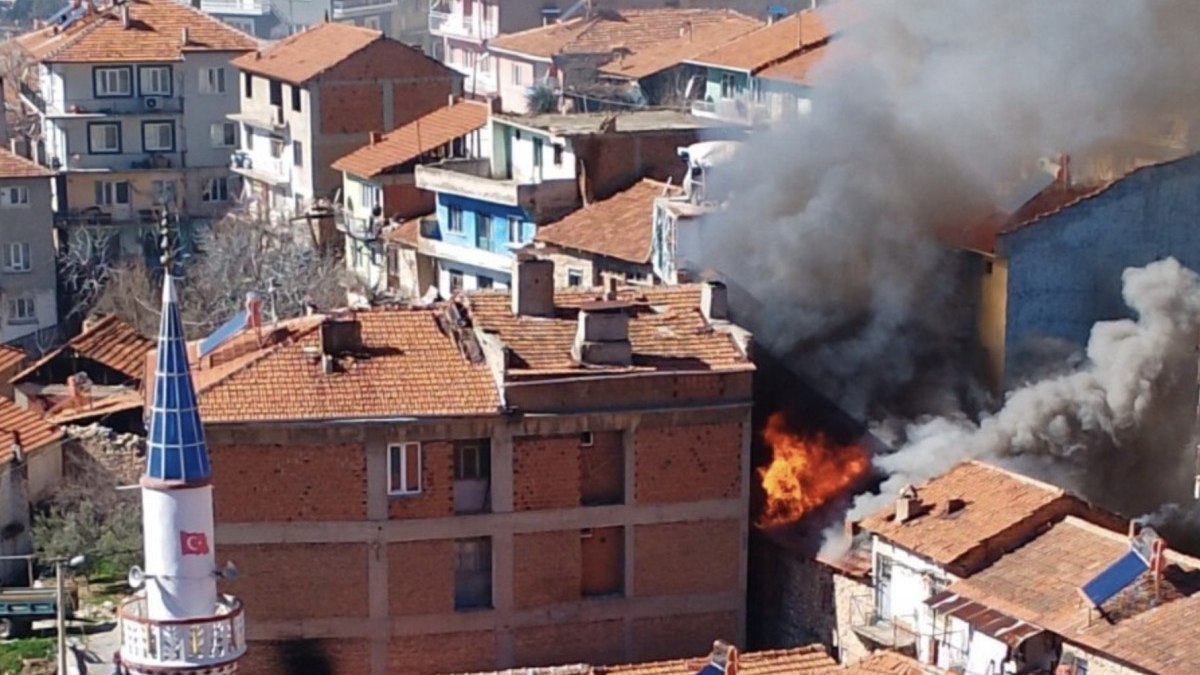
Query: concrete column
x=502, y=468
x=377, y=476
x=629, y=448
x=502, y=595
x=743, y=563
x=376, y=449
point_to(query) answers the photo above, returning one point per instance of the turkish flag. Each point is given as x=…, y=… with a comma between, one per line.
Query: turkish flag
x=193, y=543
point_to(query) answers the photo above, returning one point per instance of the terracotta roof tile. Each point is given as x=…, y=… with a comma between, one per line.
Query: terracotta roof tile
x=1038, y=583
x=406, y=369
x=619, y=227
x=16, y=166
x=796, y=69
x=72, y=413
x=33, y=431
x=301, y=57
x=10, y=357
x=632, y=29
x=757, y=50
x=809, y=660
x=993, y=500
x=410, y=141
x=110, y=341
x=653, y=58
x=407, y=233
x=666, y=330
x=155, y=33
x=884, y=663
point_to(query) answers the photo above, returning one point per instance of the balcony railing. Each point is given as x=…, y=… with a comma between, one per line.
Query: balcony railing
x=149, y=105
x=132, y=161
x=474, y=178
x=243, y=7
x=341, y=8
x=273, y=170
x=362, y=229
x=207, y=641
x=33, y=96
x=472, y=27
x=739, y=109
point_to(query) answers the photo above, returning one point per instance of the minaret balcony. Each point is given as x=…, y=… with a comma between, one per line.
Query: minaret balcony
x=148, y=645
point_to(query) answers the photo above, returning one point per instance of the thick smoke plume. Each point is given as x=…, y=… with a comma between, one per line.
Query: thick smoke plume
x=1106, y=426
x=926, y=115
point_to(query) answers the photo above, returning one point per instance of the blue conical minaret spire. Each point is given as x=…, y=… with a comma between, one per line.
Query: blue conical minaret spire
x=175, y=449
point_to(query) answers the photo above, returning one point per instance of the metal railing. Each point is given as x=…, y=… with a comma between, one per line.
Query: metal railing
x=209, y=641
x=33, y=96
x=236, y=6
x=345, y=6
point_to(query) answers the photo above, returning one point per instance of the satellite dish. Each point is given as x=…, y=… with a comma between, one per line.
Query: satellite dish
x=230, y=572
x=136, y=577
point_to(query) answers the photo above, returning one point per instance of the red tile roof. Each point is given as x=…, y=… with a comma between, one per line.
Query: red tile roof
x=407, y=233
x=1038, y=583
x=110, y=342
x=301, y=57
x=809, y=660
x=11, y=357
x=155, y=33
x=765, y=46
x=884, y=663
x=16, y=166
x=991, y=502
x=412, y=140
x=634, y=30
x=666, y=330
x=796, y=69
x=619, y=227
x=406, y=367
x=28, y=426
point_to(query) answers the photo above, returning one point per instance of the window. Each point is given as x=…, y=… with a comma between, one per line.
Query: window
x=21, y=310
x=516, y=73
x=158, y=136
x=456, y=281
x=473, y=573
x=247, y=85
x=483, y=233
x=244, y=25
x=223, y=134
x=404, y=469
x=601, y=468
x=514, y=230
x=728, y=85
x=16, y=257
x=454, y=219
x=164, y=191
x=113, y=82
x=297, y=153
x=212, y=80
x=586, y=439
x=104, y=138
x=539, y=149
x=472, y=460
x=14, y=196
x=154, y=80
x=574, y=277
x=371, y=22
x=296, y=98
x=276, y=92
x=276, y=147
x=109, y=193
x=248, y=134
x=558, y=154
x=484, y=282
x=216, y=190
x=603, y=561
x=370, y=194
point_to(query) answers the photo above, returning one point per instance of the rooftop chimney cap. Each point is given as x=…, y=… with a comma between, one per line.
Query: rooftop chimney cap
x=532, y=286
x=714, y=301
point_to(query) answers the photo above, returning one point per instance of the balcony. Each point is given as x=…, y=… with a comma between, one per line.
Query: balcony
x=474, y=179
x=732, y=110
x=33, y=97
x=90, y=108
x=273, y=171
x=274, y=120
x=147, y=644
x=132, y=161
x=347, y=8
x=361, y=229
x=448, y=24
x=236, y=7
x=868, y=624
x=95, y=216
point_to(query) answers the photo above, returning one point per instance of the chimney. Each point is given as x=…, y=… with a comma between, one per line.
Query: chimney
x=1064, y=171
x=907, y=505
x=532, y=286
x=18, y=451
x=724, y=657
x=253, y=310
x=602, y=335
x=125, y=15
x=340, y=336
x=714, y=301
x=851, y=529
x=373, y=137
x=611, y=282
x=183, y=36
x=91, y=321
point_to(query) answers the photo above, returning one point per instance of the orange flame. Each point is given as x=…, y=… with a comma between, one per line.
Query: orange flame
x=805, y=473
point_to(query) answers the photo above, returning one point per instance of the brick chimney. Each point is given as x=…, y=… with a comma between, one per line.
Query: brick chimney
x=1064, y=171
x=602, y=335
x=908, y=506
x=253, y=310
x=340, y=335
x=532, y=286
x=714, y=301
x=374, y=137
x=125, y=15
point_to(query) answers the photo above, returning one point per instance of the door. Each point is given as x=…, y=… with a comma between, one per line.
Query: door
x=538, y=149
x=883, y=590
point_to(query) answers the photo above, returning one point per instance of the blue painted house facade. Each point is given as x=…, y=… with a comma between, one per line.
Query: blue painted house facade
x=1051, y=279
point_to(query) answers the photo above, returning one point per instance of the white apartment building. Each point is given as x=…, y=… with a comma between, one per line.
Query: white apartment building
x=28, y=282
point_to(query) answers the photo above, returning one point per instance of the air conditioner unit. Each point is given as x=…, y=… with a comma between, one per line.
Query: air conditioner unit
x=152, y=102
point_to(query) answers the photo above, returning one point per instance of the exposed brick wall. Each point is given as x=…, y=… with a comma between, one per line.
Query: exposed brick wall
x=351, y=107
x=421, y=577
x=272, y=482
x=546, y=568
x=412, y=101
x=442, y=653
x=299, y=581
x=681, y=558
x=632, y=392
x=851, y=597
x=437, y=485
x=672, y=637
x=545, y=472
x=406, y=201
x=602, y=469
x=679, y=464
x=306, y=656
x=597, y=642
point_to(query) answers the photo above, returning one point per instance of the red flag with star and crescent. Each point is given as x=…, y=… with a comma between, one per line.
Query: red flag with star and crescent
x=193, y=543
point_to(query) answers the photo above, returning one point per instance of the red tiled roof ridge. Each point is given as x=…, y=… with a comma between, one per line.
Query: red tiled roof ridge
x=246, y=362
x=372, y=156
x=1175, y=556
x=108, y=322
x=30, y=429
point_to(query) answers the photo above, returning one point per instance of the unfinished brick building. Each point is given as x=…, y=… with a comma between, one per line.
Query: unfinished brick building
x=515, y=479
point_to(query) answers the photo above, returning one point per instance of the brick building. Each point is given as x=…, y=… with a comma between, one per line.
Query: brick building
x=522, y=478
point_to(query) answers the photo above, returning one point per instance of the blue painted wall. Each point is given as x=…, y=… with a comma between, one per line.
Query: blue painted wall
x=1065, y=270
x=474, y=211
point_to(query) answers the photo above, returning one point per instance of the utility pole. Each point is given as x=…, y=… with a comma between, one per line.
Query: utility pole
x=60, y=619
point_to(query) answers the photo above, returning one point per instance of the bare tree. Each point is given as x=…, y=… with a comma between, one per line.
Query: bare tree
x=234, y=256
x=18, y=68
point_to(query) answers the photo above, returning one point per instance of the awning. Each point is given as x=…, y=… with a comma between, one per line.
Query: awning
x=982, y=618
